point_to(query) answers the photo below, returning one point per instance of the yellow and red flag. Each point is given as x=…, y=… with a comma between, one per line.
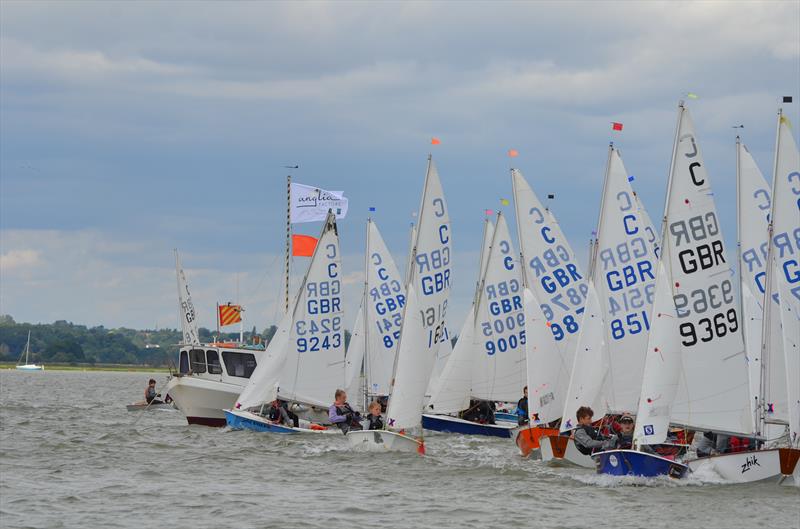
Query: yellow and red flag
x=303, y=245
x=229, y=314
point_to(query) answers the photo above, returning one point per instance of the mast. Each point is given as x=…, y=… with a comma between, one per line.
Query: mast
x=288, y=241
x=410, y=277
x=366, y=319
x=769, y=271
x=28, y=349
x=522, y=262
x=481, y=271
x=756, y=417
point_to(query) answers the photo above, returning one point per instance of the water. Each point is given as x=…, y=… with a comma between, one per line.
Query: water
x=72, y=456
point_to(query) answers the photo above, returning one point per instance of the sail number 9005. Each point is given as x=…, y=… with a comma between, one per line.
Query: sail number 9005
x=709, y=328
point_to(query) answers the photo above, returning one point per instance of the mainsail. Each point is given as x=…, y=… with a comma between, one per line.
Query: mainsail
x=754, y=205
x=695, y=371
x=613, y=338
x=451, y=391
x=426, y=307
x=305, y=359
x=783, y=276
x=185, y=306
x=498, y=351
x=554, y=277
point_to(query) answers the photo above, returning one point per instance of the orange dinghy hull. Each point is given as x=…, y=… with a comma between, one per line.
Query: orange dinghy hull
x=528, y=438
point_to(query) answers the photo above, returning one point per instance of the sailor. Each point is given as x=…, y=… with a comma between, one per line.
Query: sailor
x=374, y=416
x=342, y=415
x=588, y=438
x=279, y=413
x=479, y=411
x=711, y=443
x=522, y=408
x=625, y=434
x=150, y=393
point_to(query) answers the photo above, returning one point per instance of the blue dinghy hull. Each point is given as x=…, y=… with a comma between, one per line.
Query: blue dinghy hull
x=247, y=421
x=445, y=423
x=635, y=463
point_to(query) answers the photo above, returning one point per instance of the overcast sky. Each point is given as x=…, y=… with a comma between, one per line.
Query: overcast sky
x=131, y=128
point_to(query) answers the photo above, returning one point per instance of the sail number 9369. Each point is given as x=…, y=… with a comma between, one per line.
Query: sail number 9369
x=709, y=328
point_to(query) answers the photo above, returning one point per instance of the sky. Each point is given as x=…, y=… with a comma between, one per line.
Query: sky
x=128, y=129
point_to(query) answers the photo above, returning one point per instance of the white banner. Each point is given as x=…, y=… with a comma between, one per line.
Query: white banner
x=310, y=204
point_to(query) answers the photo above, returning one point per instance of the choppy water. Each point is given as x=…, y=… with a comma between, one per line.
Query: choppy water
x=72, y=456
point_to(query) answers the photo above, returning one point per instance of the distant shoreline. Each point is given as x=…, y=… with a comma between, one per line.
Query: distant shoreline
x=132, y=368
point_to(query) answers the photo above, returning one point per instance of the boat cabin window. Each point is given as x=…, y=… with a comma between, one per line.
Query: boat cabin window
x=198, y=357
x=213, y=363
x=183, y=362
x=239, y=364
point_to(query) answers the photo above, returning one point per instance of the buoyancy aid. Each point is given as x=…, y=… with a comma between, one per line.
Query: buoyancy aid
x=592, y=433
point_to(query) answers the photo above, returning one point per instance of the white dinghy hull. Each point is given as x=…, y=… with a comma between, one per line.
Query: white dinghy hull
x=561, y=450
x=383, y=441
x=775, y=464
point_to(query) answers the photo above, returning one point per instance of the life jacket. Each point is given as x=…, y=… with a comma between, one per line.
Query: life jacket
x=591, y=432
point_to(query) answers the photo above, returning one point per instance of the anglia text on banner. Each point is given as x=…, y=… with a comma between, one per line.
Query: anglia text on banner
x=310, y=204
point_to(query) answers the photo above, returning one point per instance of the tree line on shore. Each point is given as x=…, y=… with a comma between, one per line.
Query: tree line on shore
x=69, y=343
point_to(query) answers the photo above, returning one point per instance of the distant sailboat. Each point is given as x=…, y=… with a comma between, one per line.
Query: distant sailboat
x=424, y=329
x=27, y=366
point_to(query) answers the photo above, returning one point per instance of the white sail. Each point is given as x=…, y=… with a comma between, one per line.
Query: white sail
x=662, y=367
x=753, y=218
x=354, y=360
x=385, y=299
x=426, y=307
x=450, y=388
x=314, y=366
x=590, y=373
x=712, y=381
x=785, y=251
x=498, y=352
x=613, y=338
x=554, y=277
x=450, y=393
x=185, y=306
x=542, y=356
x=262, y=387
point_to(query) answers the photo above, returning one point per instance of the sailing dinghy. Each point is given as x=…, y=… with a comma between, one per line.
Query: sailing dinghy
x=609, y=359
x=556, y=293
x=27, y=366
x=373, y=344
x=304, y=363
x=488, y=361
x=427, y=294
x=695, y=372
x=775, y=368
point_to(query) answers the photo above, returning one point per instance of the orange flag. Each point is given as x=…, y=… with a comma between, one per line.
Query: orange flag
x=303, y=245
x=513, y=153
x=229, y=314
x=435, y=141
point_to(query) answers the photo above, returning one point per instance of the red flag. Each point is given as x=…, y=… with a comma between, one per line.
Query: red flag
x=435, y=141
x=303, y=245
x=616, y=126
x=513, y=153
